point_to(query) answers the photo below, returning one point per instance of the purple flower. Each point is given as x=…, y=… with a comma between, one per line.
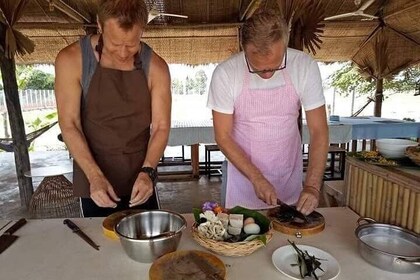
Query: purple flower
x=209, y=206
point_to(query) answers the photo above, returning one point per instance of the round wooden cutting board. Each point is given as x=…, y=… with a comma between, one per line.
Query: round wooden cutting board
x=189, y=264
x=109, y=222
x=316, y=224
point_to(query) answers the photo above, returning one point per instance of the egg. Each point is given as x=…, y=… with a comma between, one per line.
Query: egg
x=249, y=220
x=252, y=229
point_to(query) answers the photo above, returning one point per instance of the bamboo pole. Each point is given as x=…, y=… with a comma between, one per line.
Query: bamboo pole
x=388, y=202
x=374, y=194
x=394, y=201
x=359, y=190
x=379, y=195
x=353, y=189
x=349, y=181
x=363, y=195
x=400, y=205
x=383, y=202
x=409, y=217
x=406, y=207
x=369, y=188
x=416, y=227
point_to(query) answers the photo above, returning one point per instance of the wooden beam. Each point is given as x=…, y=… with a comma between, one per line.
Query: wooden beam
x=69, y=11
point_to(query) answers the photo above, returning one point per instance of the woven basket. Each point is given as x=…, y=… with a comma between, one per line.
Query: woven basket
x=413, y=153
x=54, y=199
x=236, y=249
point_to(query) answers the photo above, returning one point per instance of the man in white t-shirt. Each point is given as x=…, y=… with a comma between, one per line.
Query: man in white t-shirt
x=255, y=97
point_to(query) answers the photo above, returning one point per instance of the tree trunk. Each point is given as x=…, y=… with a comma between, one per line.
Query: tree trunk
x=8, y=70
x=378, y=97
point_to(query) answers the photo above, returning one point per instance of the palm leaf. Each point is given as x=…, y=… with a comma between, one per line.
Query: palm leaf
x=312, y=28
x=15, y=41
x=304, y=17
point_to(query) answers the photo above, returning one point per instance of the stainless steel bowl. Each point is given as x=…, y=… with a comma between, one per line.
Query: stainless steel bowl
x=148, y=235
x=389, y=247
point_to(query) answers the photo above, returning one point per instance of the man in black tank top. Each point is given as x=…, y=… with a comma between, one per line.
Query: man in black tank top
x=113, y=99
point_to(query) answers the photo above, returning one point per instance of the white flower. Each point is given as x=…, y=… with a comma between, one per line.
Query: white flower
x=209, y=216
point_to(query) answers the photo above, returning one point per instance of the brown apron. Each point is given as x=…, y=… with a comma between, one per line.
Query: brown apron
x=116, y=118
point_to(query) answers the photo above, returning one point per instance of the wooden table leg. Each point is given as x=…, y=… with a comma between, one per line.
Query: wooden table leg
x=195, y=163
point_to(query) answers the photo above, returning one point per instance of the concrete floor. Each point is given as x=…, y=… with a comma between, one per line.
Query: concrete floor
x=179, y=196
x=176, y=195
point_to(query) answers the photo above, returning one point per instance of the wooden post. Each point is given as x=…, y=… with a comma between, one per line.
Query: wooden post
x=378, y=97
x=8, y=70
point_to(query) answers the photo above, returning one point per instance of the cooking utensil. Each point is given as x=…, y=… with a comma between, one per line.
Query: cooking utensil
x=80, y=233
x=210, y=271
x=148, y=235
x=388, y=247
x=293, y=210
x=7, y=238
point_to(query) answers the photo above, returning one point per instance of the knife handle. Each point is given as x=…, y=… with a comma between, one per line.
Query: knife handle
x=15, y=226
x=71, y=225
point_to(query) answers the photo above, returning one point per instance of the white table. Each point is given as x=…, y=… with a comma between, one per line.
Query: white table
x=201, y=131
x=48, y=250
x=193, y=132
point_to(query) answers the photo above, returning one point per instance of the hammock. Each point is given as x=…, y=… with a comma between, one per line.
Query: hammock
x=7, y=145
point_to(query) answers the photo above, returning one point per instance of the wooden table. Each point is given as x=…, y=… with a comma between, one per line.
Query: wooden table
x=48, y=250
x=387, y=194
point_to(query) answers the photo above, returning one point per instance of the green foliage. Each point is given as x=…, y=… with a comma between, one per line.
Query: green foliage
x=30, y=78
x=40, y=122
x=348, y=79
x=40, y=80
x=200, y=82
x=177, y=87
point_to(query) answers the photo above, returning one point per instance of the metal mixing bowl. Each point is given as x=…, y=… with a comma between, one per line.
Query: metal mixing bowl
x=148, y=235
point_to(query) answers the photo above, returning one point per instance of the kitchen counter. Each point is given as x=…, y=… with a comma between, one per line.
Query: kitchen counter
x=48, y=250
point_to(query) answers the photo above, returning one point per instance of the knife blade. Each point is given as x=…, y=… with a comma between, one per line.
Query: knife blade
x=80, y=233
x=210, y=271
x=7, y=238
x=292, y=209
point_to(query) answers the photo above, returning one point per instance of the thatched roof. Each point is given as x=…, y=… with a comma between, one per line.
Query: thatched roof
x=210, y=32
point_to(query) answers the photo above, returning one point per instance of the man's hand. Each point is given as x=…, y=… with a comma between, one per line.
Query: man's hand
x=102, y=192
x=142, y=189
x=265, y=191
x=308, y=200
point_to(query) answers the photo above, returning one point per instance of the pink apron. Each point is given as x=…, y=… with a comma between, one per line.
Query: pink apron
x=265, y=127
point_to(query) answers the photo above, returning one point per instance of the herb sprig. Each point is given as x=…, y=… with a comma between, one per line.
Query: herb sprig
x=307, y=264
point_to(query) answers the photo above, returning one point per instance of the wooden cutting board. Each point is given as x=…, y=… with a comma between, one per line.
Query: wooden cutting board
x=187, y=264
x=316, y=224
x=109, y=222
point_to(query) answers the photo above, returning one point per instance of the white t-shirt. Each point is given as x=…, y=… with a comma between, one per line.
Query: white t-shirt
x=227, y=81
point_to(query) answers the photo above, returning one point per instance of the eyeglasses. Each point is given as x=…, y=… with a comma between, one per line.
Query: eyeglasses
x=266, y=70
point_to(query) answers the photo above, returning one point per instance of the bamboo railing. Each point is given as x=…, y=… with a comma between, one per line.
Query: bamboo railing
x=387, y=194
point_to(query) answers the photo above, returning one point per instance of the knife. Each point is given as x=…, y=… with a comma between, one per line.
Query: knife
x=80, y=233
x=210, y=271
x=292, y=210
x=7, y=238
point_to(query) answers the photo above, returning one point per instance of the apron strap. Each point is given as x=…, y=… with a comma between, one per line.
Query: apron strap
x=137, y=57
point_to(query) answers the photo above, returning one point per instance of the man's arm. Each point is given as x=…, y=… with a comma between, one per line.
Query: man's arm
x=223, y=124
x=160, y=90
x=318, y=150
x=68, y=68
